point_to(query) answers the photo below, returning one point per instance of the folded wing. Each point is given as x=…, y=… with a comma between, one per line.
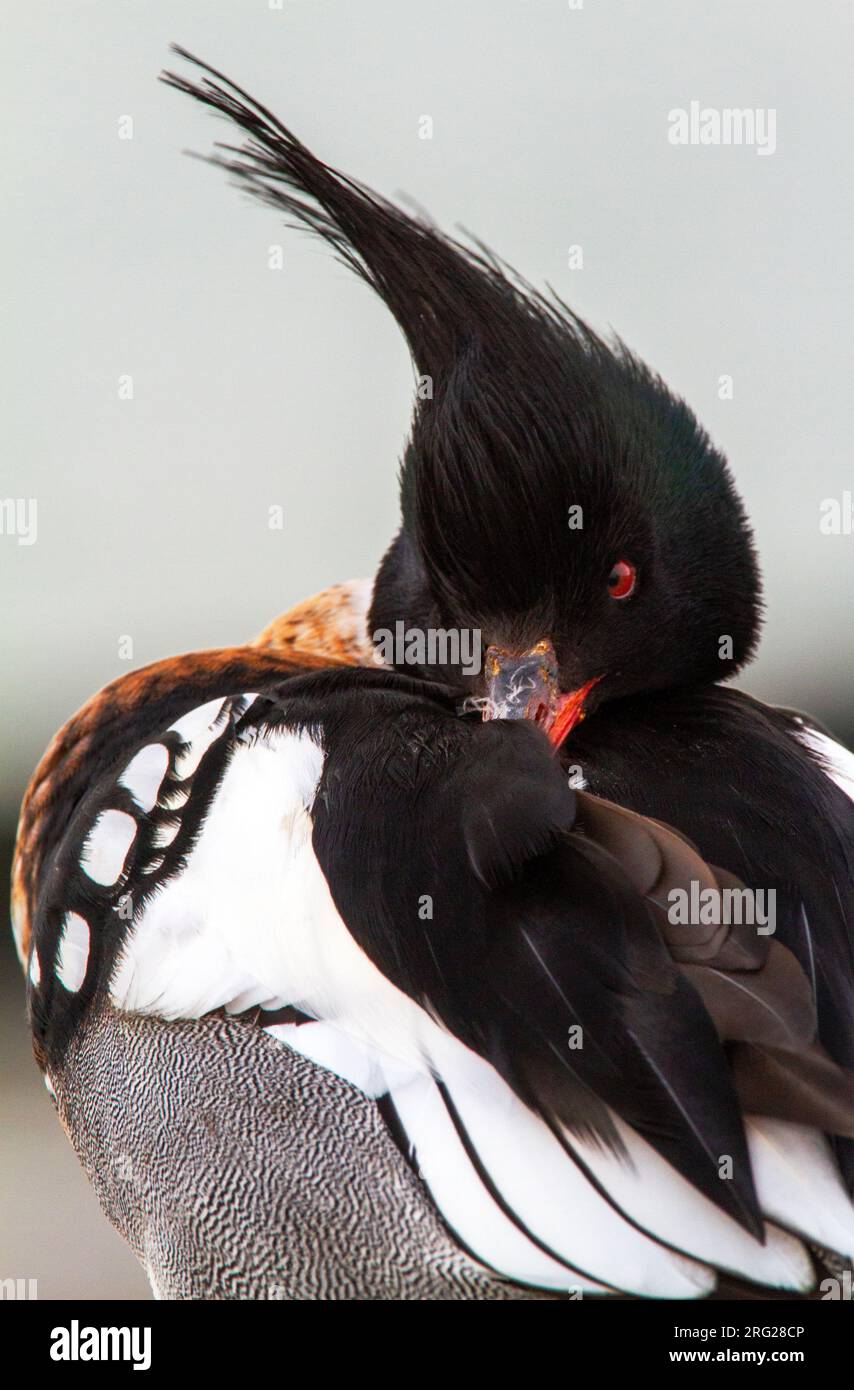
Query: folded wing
x=421, y=904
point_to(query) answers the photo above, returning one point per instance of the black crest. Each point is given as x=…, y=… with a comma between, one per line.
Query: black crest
x=523, y=412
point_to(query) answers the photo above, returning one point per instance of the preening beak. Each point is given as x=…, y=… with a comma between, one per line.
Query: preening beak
x=525, y=686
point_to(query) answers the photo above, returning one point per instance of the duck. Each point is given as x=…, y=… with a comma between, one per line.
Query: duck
x=358, y=970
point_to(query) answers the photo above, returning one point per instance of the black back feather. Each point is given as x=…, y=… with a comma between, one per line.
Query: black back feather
x=531, y=930
x=731, y=773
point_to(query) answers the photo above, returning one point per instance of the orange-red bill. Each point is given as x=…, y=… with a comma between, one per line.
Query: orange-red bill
x=570, y=711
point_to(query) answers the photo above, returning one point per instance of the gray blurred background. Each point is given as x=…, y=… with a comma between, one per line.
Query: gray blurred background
x=253, y=387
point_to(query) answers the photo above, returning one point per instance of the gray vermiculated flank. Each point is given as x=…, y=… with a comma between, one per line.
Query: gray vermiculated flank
x=235, y=1168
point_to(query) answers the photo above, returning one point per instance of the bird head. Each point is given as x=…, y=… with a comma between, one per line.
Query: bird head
x=560, y=506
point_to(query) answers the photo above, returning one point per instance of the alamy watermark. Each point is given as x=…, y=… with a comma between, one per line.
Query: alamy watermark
x=725, y=125
x=432, y=646
x=19, y=516
x=76, y=1343
x=18, y=1289
x=723, y=907
x=837, y=515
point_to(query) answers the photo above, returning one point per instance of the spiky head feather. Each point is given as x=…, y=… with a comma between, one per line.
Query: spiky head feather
x=528, y=419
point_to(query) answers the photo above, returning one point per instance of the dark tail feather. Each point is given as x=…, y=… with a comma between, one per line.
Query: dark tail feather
x=649, y=1052
x=805, y=1087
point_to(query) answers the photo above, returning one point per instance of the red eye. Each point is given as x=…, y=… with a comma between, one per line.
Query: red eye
x=622, y=579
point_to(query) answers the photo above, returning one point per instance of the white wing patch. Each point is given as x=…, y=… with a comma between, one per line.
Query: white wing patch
x=252, y=912
x=73, y=955
x=107, y=845
x=197, y=723
x=144, y=775
x=798, y=1182
x=663, y=1202
x=199, y=729
x=472, y=1213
